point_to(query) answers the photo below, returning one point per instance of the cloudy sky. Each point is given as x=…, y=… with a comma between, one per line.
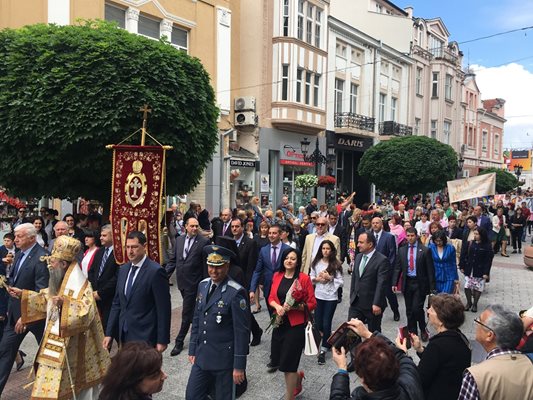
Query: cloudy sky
x=504, y=63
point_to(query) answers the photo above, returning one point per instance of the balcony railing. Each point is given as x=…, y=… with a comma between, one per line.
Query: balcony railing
x=352, y=120
x=391, y=128
x=446, y=55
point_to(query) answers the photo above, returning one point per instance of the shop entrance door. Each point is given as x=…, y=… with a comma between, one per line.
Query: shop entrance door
x=294, y=194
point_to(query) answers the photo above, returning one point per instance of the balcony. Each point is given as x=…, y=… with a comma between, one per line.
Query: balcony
x=391, y=128
x=442, y=54
x=351, y=120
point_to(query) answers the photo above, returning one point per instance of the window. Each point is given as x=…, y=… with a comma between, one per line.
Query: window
x=418, y=81
x=179, y=38
x=299, y=73
x=148, y=27
x=115, y=14
x=339, y=88
x=435, y=85
x=340, y=49
x=470, y=137
x=484, y=140
x=382, y=101
x=285, y=21
x=417, y=126
x=496, y=144
x=393, y=107
x=284, y=82
x=309, y=28
x=307, y=87
x=434, y=129
x=435, y=46
x=448, y=87
x=446, y=132
x=318, y=18
x=300, y=20
x=316, y=92
x=353, y=98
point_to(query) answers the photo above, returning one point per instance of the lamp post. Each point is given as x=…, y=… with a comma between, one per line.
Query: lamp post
x=518, y=172
x=315, y=157
x=460, y=164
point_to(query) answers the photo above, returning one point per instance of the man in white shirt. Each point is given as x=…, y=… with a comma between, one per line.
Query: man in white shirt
x=314, y=240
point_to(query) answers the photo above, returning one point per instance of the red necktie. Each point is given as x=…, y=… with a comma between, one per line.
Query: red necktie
x=411, y=258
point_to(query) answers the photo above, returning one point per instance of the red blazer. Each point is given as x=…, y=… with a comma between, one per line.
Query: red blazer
x=295, y=317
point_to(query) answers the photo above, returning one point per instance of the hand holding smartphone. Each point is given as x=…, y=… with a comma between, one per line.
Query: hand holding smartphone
x=404, y=334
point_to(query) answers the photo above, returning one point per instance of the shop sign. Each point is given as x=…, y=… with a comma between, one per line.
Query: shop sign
x=242, y=163
x=353, y=143
x=292, y=155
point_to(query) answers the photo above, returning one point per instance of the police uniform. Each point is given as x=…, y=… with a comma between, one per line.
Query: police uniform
x=220, y=333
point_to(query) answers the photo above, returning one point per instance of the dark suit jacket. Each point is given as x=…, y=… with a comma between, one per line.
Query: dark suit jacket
x=301, y=238
x=248, y=254
x=369, y=289
x=146, y=310
x=265, y=268
x=340, y=232
x=105, y=284
x=218, y=226
x=387, y=247
x=189, y=270
x=425, y=271
x=486, y=223
x=457, y=233
x=32, y=275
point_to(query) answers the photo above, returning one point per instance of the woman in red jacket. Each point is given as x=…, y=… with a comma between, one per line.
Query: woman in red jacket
x=288, y=339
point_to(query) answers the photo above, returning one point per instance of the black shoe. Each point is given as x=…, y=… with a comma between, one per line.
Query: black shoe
x=322, y=358
x=514, y=252
x=350, y=367
x=396, y=316
x=271, y=367
x=21, y=363
x=257, y=338
x=474, y=308
x=519, y=251
x=178, y=348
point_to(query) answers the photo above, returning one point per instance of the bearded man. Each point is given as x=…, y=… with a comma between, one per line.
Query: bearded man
x=70, y=357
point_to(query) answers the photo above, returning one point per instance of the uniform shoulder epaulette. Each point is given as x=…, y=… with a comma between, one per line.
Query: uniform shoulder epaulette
x=234, y=285
x=206, y=280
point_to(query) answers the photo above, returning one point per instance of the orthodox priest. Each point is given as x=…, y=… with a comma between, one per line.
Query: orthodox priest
x=70, y=357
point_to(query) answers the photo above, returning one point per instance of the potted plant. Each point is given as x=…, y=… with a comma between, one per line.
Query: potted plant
x=305, y=182
x=326, y=181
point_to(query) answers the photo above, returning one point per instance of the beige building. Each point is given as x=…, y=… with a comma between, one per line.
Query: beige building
x=206, y=29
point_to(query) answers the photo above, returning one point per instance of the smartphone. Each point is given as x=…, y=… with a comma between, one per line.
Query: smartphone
x=405, y=335
x=336, y=338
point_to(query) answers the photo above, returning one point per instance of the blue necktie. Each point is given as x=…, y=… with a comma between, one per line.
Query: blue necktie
x=102, y=264
x=16, y=267
x=129, y=284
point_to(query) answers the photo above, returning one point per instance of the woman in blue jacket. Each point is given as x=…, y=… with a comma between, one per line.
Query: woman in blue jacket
x=446, y=277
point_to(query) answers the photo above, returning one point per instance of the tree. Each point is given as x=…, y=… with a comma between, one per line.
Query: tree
x=68, y=91
x=505, y=181
x=409, y=165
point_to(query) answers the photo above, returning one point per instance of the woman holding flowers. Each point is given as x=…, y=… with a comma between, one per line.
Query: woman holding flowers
x=326, y=274
x=291, y=293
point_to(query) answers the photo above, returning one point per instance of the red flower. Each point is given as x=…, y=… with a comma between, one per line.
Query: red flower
x=326, y=180
x=298, y=295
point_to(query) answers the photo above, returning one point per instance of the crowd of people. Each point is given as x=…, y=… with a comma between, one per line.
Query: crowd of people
x=297, y=260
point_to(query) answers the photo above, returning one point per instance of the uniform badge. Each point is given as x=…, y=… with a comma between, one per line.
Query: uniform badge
x=220, y=304
x=199, y=297
x=219, y=319
x=243, y=304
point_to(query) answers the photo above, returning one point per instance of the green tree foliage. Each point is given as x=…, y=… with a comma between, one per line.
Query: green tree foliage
x=67, y=91
x=409, y=165
x=505, y=181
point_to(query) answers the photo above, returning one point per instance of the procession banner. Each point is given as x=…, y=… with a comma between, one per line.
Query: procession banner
x=470, y=188
x=137, y=188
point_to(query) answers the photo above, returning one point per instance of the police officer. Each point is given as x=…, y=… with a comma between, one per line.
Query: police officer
x=220, y=331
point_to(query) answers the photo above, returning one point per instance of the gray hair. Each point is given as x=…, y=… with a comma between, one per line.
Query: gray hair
x=30, y=229
x=315, y=214
x=106, y=227
x=506, y=325
x=296, y=221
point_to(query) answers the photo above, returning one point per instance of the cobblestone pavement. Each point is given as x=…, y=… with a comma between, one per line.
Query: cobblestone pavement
x=510, y=285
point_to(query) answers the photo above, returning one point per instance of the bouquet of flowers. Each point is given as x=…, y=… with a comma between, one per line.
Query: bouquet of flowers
x=306, y=181
x=326, y=180
x=294, y=298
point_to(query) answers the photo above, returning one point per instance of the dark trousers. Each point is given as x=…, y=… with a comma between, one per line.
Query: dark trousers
x=391, y=298
x=414, y=305
x=9, y=346
x=200, y=383
x=516, y=236
x=255, y=329
x=187, y=313
x=323, y=316
x=366, y=315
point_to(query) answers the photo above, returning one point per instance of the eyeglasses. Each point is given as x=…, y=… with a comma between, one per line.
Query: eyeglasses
x=313, y=217
x=477, y=321
x=320, y=224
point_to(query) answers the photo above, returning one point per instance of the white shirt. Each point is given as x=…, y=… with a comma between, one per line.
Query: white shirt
x=368, y=256
x=139, y=264
x=332, y=229
x=326, y=291
x=422, y=228
x=316, y=245
x=378, y=234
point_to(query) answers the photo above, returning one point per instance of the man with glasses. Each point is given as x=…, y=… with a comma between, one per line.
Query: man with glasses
x=21, y=217
x=314, y=240
x=506, y=373
x=311, y=226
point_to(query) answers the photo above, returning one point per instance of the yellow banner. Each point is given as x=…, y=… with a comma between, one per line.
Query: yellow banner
x=470, y=188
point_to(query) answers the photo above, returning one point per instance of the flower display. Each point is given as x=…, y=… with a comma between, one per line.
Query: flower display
x=326, y=180
x=306, y=181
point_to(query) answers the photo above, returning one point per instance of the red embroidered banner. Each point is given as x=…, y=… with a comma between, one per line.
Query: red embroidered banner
x=138, y=175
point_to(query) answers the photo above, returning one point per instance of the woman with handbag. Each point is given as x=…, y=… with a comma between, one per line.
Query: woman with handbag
x=475, y=264
x=288, y=337
x=326, y=274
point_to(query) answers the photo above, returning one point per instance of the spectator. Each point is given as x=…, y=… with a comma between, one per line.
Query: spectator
x=92, y=243
x=517, y=224
x=498, y=235
x=42, y=236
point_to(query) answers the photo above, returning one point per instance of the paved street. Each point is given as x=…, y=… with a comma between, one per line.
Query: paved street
x=510, y=285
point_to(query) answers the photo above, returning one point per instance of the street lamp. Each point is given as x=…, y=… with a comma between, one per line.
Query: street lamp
x=315, y=157
x=518, y=171
x=460, y=164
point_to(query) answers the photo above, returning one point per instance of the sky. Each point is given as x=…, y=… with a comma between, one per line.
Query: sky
x=503, y=64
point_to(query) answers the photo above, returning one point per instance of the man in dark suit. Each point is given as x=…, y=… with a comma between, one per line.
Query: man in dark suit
x=335, y=228
x=6, y=261
x=223, y=227
x=483, y=221
x=103, y=274
x=299, y=233
x=247, y=253
x=386, y=245
x=369, y=280
x=28, y=272
x=187, y=260
x=415, y=265
x=453, y=231
x=141, y=307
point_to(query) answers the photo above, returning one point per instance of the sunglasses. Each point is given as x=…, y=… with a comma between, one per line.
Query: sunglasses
x=320, y=224
x=477, y=321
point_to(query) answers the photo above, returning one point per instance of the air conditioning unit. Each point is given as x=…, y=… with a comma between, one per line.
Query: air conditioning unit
x=245, y=103
x=245, y=118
